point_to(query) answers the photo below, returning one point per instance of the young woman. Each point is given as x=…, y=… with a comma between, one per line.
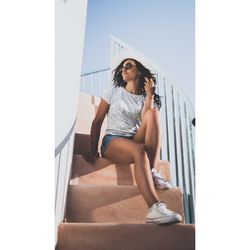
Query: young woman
x=133, y=133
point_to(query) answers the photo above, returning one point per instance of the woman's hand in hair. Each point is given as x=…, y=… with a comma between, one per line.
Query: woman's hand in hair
x=149, y=86
x=90, y=156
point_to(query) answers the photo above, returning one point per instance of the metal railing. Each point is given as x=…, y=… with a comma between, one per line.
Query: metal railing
x=63, y=160
x=95, y=82
x=176, y=113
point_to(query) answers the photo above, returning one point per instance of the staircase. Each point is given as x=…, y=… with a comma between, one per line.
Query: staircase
x=105, y=210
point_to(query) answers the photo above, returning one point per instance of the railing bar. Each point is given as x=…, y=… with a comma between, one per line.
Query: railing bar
x=57, y=178
x=184, y=144
x=186, y=208
x=166, y=115
x=94, y=72
x=65, y=139
x=65, y=175
x=192, y=149
x=188, y=147
x=171, y=131
x=175, y=140
x=181, y=144
x=163, y=121
x=192, y=208
x=179, y=139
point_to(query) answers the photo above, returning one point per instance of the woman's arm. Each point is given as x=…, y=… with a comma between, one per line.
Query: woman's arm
x=149, y=101
x=95, y=135
x=97, y=124
x=95, y=131
x=148, y=104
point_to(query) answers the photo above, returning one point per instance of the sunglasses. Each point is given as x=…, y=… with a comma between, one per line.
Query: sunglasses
x=127, y=66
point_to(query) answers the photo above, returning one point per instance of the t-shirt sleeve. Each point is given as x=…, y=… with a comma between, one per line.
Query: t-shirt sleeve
x=107, y=95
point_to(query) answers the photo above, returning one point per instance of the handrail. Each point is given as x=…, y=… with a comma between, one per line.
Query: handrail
x=61, y=145
x=93, y=72
x=63, y=168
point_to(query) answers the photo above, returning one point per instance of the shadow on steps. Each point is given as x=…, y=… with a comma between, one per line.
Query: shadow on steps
x=102, y=172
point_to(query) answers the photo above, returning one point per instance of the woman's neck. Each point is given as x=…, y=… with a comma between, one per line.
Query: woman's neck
x=132, y=88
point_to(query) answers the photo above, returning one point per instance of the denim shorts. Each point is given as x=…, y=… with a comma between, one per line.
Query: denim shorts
x=108, y=138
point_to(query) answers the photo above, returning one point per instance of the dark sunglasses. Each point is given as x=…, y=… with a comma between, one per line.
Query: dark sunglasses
x=127, y=66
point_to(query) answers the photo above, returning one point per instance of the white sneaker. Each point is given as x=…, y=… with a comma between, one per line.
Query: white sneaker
x=159, y=214
x=159, y=182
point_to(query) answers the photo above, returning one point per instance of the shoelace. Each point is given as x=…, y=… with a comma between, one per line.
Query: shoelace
x=157, y=174
x=161, y=204
x=158, y=179
x=163, y=207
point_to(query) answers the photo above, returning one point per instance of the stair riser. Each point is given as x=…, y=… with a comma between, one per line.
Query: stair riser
x=121, y=204
x=125, y=237
x=105, y=172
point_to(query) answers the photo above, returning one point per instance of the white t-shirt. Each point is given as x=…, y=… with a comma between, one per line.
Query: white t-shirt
x=124, y=115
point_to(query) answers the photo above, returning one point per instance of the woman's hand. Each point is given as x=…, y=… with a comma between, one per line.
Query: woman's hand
x=90, y=156
x=149, y=86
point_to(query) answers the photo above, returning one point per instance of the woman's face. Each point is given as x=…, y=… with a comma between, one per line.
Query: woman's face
x=129, y=70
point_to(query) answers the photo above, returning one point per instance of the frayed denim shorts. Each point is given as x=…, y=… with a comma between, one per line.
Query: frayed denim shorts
x=108, y=138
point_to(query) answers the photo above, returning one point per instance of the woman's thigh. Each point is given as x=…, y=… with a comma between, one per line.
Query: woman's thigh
x=121, y=150
x=141, y=132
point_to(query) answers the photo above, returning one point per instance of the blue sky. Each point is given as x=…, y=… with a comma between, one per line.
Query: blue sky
x=163, y=30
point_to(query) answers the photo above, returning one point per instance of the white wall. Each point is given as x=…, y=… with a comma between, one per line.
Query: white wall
x=70, y=21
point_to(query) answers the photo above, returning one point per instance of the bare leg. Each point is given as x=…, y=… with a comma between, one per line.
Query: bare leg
x=122, y=150
x=150, y=134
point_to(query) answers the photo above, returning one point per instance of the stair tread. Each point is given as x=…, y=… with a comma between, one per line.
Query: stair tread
x=107, y=172
x=126, y=225
x=118, y=236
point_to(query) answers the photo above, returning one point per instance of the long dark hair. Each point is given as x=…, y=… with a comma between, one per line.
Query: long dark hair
x=119, y=82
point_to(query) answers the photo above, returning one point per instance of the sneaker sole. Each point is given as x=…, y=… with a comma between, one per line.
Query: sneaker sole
x=164, y=220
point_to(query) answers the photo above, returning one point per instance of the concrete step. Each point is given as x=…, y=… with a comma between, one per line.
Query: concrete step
x=106, y=172
x=113, y=203
x=114, y=236
x=82, y=141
